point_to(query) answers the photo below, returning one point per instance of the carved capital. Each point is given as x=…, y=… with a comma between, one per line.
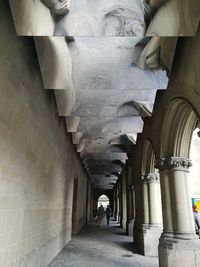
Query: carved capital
x=170, y=163
x=153, y=178
x=150, y=178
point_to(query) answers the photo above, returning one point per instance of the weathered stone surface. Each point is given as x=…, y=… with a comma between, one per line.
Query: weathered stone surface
x=58, y=7
x=103, y=18
x=111, y=64
x=109, y=156
x=108, y=138
x=95, y=125
x=37, y=159
x=105, y=103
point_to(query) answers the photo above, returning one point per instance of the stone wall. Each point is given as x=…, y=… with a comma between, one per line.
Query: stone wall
x=80, y=199
x=36, y=159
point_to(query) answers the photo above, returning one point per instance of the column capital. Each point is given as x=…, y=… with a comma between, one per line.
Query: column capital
x=150, y=178
x=173, y=163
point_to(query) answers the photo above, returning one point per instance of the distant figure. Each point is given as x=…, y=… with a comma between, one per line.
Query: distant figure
x=100, y=216
x=196, y=219
x=108, y=214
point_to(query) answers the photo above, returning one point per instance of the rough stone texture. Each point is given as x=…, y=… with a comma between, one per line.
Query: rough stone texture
x=111, y=64
x=102, y=247
x=105, y=103
x=151, y=240
x=95, y=125
x=103, y=18
x=130, y=228
x=147, y=239
x=178, y=258
x=36, y=159
x=107, y=138
x=58, y=7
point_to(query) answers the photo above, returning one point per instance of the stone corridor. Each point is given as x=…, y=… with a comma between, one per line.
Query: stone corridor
x=99, y=105
x=106, y=247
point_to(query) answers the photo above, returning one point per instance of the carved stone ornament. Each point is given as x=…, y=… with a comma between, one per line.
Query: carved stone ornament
x=150, y=178
x=57, y=7
x=173, y=163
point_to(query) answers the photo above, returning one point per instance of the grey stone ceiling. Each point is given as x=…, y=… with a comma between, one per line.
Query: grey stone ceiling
x=105, y=94
x=104, y=71
x=103, y=18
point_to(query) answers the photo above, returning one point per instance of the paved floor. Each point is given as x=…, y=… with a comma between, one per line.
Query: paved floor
x=101, y=247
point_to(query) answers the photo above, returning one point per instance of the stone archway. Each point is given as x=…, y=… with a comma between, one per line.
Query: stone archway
x=148, y=225
x=103, y=200
x=178, y=239
x=177, y=128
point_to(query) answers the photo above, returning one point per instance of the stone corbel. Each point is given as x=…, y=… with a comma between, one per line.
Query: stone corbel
x=80, y=148
x=150, y=56
x=58, y=7
x=158, y=54
x=32, y=18
x=72, y=123
x=55, y=62
x=173, y=163
x=65, y=100
x=76, y=137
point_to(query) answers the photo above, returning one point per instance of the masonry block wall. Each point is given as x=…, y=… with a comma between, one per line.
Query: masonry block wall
x=80, y=198
x=36, y=159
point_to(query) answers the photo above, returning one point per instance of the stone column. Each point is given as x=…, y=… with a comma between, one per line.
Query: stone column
x=118, y=207
x=145, y=201
x=124, y=200
x=178, y=244
x=152, y=214
x=129, y=225
x=114, y=202
x=154, y=199
x=133, y=201
x=139, y=217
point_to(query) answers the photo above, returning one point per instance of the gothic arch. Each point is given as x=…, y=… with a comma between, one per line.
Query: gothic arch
x=148, y=158
x=177, y=127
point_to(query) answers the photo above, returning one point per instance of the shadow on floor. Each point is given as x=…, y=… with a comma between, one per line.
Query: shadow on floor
x=102, y=247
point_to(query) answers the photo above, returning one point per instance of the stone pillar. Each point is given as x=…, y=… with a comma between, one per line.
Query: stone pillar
x=145, y=200
x=118, y=206
x=152, y=226
x=115, y=209
x=130, y=221
x=133, y=201
x=178, y=244
x=124, y=200
x=154, y=199
x=148, y=233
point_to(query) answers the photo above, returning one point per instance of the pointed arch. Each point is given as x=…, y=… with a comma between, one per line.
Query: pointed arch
x=148, y=158
x=177, y=128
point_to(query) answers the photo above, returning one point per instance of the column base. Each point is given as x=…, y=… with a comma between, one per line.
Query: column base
x=147, y=239
x=123, y=223
x=129, y=227
x=181, y=250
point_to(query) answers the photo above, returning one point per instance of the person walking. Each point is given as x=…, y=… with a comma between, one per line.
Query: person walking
x=196, y=220
x=108, y=214
x=100, y=216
